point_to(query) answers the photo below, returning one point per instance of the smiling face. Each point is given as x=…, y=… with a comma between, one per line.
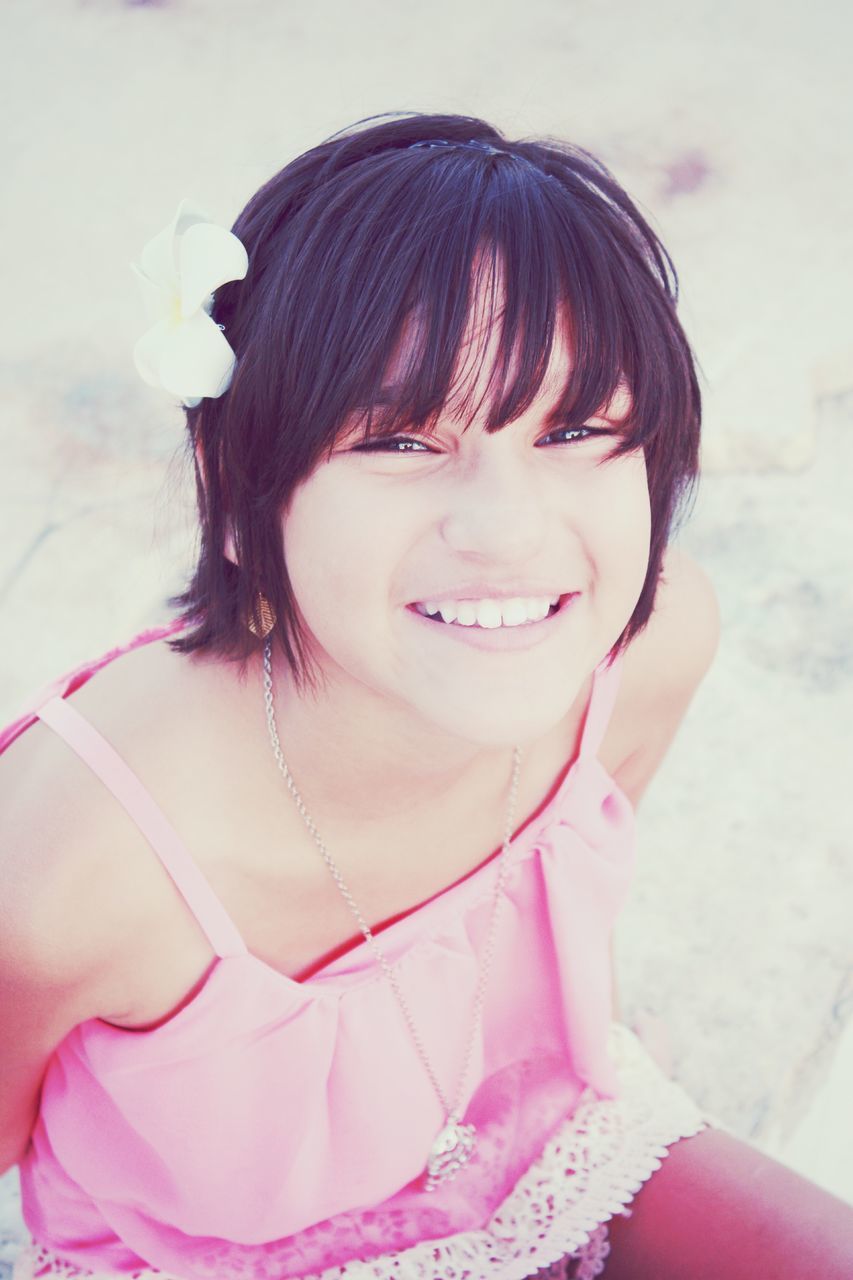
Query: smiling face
x=492, y=527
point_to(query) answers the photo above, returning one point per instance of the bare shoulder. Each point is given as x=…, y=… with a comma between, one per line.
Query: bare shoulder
x=76, y=891
x=64, y=909
x=77, y=880
x=679, y=643
x=663, y=667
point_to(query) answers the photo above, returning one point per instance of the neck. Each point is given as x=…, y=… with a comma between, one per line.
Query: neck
x=366, y=761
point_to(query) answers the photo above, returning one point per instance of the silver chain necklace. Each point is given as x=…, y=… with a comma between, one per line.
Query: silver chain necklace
x=454, y=1145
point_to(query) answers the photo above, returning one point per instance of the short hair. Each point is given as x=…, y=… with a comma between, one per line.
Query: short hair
x=348, y=244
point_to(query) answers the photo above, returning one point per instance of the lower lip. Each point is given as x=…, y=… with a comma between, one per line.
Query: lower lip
x=524, y=636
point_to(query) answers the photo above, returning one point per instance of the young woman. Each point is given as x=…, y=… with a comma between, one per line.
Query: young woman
x=308, y=893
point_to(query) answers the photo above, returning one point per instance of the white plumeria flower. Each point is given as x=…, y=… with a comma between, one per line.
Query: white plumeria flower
x=185, y=351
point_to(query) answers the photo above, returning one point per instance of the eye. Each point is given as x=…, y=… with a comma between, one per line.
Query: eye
x=388, y=445
x=579, y=434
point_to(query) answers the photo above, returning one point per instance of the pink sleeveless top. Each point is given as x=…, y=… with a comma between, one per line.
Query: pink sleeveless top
x=274, y=1128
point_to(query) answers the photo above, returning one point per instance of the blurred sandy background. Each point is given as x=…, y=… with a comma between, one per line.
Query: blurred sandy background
x=730, y=122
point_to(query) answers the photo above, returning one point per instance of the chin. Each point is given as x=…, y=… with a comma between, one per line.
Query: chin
x=506, y=722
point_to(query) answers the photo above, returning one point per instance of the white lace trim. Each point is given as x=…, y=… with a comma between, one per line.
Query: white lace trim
x=589, y=1171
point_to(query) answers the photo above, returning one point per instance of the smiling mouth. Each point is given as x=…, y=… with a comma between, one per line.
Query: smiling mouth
x=489, y=616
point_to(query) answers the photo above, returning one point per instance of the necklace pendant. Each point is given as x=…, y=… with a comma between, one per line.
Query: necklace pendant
x=453, y=1148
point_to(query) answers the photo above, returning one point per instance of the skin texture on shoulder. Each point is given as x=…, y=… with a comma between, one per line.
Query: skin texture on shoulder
x=80, y=893
x=57, y=950
x=664, y=667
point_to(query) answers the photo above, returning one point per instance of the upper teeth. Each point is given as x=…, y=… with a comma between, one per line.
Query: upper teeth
x=490, y=613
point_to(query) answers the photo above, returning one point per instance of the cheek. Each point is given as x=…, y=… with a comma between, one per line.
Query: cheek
x=309, y=538
x=335, y=554
x=624, y=526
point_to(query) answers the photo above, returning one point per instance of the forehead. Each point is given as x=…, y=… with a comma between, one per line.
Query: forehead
x=479, y=377
x=484, y=365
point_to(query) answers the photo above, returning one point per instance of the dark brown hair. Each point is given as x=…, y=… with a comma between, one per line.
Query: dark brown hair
x=352, y=241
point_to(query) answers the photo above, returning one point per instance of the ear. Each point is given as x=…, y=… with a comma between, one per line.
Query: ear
x=229, y=550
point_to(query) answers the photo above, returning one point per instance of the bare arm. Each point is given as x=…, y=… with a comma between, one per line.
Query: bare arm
x=718, y=1209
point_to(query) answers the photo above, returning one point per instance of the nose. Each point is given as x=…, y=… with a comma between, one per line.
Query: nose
x=497, y=511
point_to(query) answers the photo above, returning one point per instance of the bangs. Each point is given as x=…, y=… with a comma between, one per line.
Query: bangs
x=504, y=339
x=443, y=259
x=489, y=310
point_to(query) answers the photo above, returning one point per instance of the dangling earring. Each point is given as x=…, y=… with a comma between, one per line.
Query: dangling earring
x=262, y=618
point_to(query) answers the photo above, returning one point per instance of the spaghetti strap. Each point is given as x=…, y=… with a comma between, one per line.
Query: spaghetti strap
x=601, y=702
x=92, y=747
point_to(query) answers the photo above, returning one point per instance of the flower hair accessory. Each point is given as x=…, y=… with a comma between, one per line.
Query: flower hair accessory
x=185, y=351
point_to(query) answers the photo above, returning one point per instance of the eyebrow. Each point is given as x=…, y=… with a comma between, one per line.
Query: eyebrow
x=387, y=395
x=384, y=396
